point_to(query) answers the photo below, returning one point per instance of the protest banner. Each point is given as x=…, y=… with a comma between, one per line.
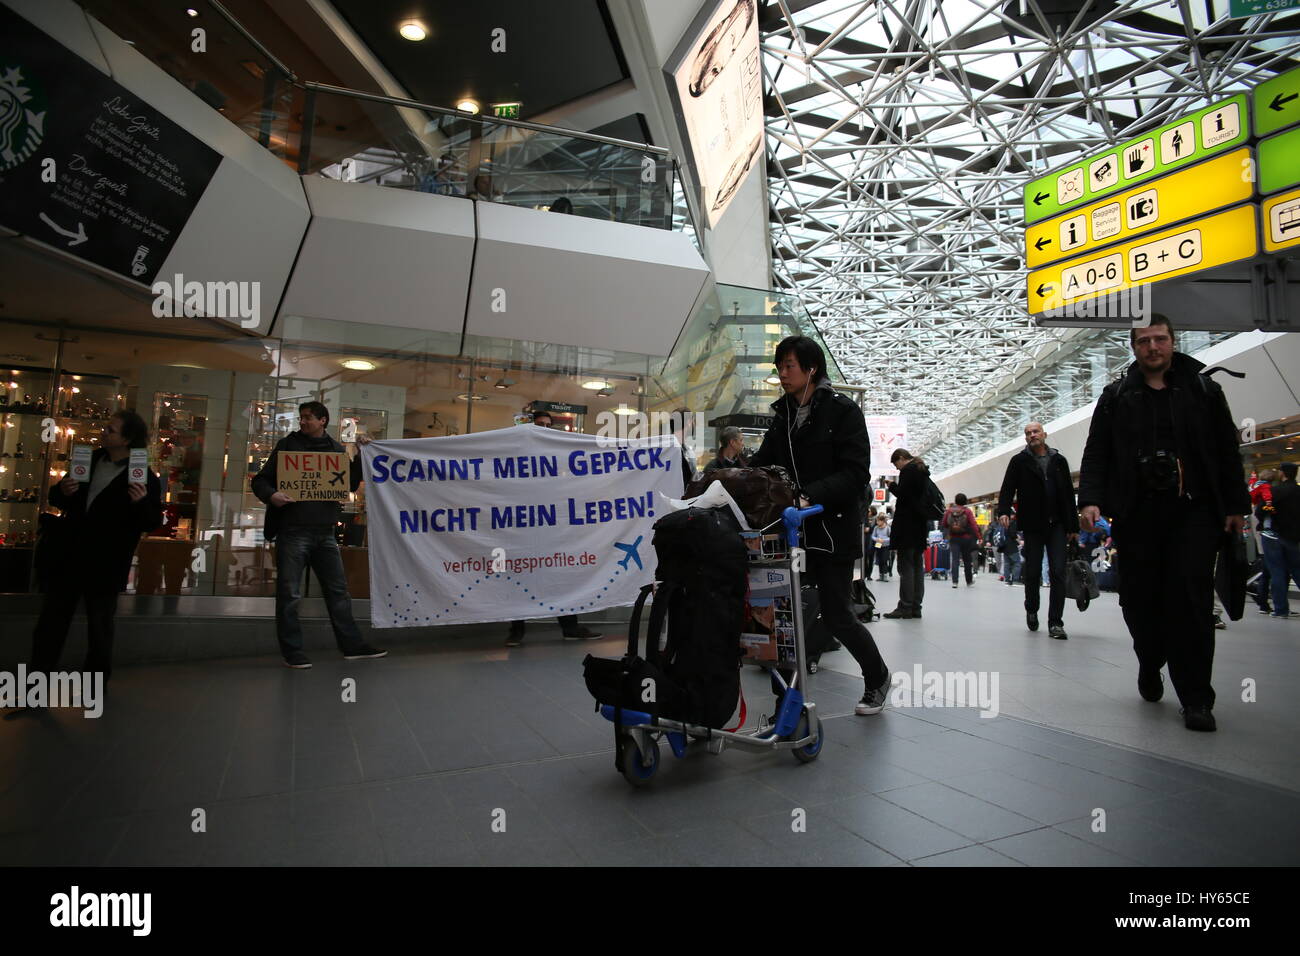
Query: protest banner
x=514, y=523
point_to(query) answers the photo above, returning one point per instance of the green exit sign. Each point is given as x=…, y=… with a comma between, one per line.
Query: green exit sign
x=1253, y=8
x=511, y=110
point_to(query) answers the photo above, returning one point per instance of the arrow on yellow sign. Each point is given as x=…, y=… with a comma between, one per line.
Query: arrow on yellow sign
x=1190, y=192
x=1193, y=247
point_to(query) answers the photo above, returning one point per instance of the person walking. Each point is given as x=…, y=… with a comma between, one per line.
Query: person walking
x=908, y=534
x=1282, y=541
x=303, y=533
x=1038, y=483
x=880, y=546
x=1162, y=460
x=87, y=554
x=963, y=535
x=820, y=437
x=569, y=626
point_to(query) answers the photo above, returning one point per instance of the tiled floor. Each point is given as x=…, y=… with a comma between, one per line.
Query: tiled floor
x=480, y=755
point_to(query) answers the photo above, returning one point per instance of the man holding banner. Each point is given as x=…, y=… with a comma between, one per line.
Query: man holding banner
x=569, y=625
x=304, y=483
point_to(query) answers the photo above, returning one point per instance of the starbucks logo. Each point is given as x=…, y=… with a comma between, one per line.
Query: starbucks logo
x=22, y=118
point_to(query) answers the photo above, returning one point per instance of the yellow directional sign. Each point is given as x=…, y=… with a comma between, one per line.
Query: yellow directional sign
x=1201, y=244
x=1202, y=188
x=1281, y=221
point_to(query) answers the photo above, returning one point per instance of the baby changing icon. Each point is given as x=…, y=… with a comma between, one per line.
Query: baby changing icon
x=138, y=268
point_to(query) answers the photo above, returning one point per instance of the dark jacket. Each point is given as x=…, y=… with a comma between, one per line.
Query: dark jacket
x=1025, y=486
x=300, y=514
x=1109, y=476
x=95, y=545
x=831, y=462
x=972, y=524
x=738, y=462
x=1286, y=511
x=911, y=526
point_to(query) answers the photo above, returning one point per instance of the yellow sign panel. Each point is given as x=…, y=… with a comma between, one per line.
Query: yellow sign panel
x=1194, y=246
x=1200, y=189
x=1282, y=221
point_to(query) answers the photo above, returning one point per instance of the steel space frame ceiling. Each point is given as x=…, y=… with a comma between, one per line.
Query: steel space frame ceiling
x=900, y=134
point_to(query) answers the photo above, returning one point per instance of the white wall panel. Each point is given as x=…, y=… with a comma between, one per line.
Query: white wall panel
x=384, y=256
x=576, y=281
x=244, y=229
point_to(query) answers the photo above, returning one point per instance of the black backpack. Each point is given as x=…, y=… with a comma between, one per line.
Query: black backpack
x=703, y=575
x=932, y=505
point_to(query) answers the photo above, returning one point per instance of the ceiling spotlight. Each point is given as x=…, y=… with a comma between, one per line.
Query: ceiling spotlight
x=605, y=392
x=504, y=383
x=467, y=105
x=413, y=30
x=359, y=365
x=624, y=410
x=191, y=11
x=595, y=386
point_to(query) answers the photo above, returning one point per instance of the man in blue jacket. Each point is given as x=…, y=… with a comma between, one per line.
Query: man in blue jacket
x=303, y=532
x=820, y=437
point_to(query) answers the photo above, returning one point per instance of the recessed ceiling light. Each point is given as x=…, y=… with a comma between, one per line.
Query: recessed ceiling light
x=413, y=30
x=191, y=11
x=466, y=397
x=624, y=410
x=595, y=386
x=772, y=380
x=467, y=105
x=359, y=365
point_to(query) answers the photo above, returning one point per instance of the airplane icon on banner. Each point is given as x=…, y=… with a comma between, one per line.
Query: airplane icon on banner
x=632, y=554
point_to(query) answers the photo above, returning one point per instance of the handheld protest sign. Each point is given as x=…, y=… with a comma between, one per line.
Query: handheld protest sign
x=313, y=475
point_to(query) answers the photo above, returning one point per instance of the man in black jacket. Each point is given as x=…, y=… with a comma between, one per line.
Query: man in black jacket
x=88, y=555
x=820, y=437
x=1162, y=459
x=911, y=528
x=1038, y=483
x=731, y=450
x=303, y=532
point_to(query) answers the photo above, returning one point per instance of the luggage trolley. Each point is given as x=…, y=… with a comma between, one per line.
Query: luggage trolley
x=795, y=726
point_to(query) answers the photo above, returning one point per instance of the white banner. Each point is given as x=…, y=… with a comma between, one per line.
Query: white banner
x=886, y=432
x=510, y=524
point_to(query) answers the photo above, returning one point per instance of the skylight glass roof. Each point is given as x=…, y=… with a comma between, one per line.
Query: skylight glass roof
x=900, y=135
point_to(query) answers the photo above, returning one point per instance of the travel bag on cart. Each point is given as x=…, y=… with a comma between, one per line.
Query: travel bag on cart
x=762, y=494
x=700, y=604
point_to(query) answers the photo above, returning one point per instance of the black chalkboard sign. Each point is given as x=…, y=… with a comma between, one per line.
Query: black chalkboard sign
x=125, y=178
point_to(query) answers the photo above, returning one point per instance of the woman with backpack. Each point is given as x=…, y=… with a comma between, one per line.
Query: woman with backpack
x=963, y=534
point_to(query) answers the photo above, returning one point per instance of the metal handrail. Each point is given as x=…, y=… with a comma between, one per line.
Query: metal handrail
x=412, y=104
x=461, y=114
x=275, y=61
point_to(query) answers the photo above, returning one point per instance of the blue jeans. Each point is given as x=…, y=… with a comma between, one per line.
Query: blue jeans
x=296, y=549
x=1282, y=558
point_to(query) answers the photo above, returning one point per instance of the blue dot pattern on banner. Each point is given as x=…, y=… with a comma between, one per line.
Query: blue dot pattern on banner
x=506, y=577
